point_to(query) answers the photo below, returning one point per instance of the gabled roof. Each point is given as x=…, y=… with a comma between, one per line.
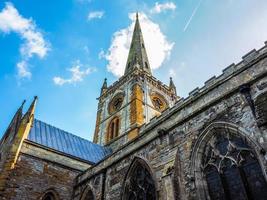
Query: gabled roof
x=67, y=143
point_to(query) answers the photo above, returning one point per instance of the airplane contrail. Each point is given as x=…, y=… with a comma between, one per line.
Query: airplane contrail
x=193, y=14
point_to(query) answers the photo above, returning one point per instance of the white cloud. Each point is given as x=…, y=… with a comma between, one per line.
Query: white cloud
x=34, y=43
x=161, y=7
x=23, y=70
x=173, y=70
x=95, y=15
x=77, y=75
x=101, y=54
x=157, y=46
x=172, y=73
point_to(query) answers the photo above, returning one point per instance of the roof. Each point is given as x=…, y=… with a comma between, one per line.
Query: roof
x=67, y=143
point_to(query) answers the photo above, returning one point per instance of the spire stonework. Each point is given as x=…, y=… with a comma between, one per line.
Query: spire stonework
x=172, y=86
x=133, y=100
x=20, y=130
x=137, y=53
x=104, y=86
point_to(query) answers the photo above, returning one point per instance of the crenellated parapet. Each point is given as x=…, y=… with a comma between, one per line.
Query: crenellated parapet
x=231, y=79
x=170, y=142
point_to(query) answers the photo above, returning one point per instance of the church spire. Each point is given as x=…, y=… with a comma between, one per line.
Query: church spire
x=18, y=114
x=13, y=126
x=172, y=86
x=104, y=86
x=137, y=53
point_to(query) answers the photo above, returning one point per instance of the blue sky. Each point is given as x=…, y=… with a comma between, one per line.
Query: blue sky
x=62, y=50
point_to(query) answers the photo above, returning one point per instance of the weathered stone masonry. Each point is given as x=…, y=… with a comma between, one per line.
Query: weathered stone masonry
x=210, y=145
x=168, y=142
x=32, y=177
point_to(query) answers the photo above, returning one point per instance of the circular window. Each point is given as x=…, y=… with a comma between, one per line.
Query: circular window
x=158, y=102
x=116, y=103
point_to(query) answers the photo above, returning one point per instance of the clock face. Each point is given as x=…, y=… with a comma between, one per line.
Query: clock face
x=116, y=103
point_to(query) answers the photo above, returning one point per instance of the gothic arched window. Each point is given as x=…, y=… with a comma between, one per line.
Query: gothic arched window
x=88, y=194
x=113, y=129
x=49, y=196
x=139, y=183
x=231, y=169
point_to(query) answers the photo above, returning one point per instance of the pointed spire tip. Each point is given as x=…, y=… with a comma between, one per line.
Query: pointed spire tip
x=137, y=53
x=171, y=82
x=23, y=102
x=105, y=85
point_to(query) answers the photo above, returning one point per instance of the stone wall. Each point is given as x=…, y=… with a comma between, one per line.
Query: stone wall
x=32, y=176
x=168, y=144
x=39, y=151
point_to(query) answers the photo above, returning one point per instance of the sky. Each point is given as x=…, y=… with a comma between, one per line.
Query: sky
x=62, y=50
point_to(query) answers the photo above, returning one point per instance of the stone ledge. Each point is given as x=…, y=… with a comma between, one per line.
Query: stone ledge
x=184, y=109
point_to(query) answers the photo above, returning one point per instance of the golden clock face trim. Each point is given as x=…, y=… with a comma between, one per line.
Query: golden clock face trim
x=158, y=102
x=116, y=103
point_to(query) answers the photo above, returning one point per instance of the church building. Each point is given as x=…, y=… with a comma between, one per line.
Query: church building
x=149, y=143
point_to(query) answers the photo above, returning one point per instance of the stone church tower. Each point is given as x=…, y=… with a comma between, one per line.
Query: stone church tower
x=133, y=100
x=151, y=144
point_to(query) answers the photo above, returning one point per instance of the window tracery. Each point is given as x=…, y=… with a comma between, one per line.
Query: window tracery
x=49, y=196
x=158, y=101
x=231, y=169
x=88, y=194
x=139, y=184
x=116, y=103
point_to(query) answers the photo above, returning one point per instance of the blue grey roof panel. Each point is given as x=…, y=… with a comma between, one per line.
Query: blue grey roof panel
x=67, y=143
